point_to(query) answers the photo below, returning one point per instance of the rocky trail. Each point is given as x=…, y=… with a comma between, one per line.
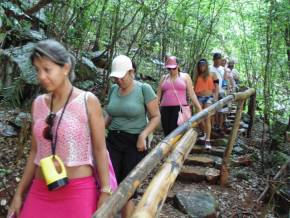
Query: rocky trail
x=196, y=192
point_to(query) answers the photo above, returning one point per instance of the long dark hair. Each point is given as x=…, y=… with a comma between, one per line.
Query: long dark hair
x=205, y=73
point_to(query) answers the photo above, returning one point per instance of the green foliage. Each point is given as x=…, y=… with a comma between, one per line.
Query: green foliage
x=12, y=95
x=279, y=158
x=4, y=172
x=254, y=33
x=85, y=85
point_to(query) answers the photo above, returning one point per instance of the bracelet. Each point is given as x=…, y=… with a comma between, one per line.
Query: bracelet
x=107, y=189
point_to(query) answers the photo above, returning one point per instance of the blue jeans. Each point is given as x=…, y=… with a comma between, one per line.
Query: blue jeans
x=205, y=99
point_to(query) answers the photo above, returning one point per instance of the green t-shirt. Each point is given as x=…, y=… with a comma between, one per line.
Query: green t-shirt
x=128, y=112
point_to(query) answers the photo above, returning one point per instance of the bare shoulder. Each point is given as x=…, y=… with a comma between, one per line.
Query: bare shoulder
x=92, y=99
x=213, y=75
x=46, y=97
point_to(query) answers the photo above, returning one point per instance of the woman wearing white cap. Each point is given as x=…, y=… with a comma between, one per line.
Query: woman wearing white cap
x=172, y=94
x=129, y=103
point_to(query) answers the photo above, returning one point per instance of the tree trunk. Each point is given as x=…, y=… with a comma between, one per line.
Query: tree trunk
x=99, y=28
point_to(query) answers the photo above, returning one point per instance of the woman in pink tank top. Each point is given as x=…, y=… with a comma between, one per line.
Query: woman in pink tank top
x=67, y=123
x=172, y=92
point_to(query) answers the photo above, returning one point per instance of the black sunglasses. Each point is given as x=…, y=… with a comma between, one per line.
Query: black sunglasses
x=47, y=131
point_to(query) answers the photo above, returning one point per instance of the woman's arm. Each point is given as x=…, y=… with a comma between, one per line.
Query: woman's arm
x=216, y=91
x=97, y=126
x=231, y=81
x=191, y=93
x=159, y=90
x=227, y=78
x=154, y=120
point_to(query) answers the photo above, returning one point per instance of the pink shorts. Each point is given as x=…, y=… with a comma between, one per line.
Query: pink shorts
x=78, y=199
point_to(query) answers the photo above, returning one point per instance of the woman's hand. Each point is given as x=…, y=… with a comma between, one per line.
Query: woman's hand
x=199, y=108
x=141, y=143
x=15, y=206
x=103, y=197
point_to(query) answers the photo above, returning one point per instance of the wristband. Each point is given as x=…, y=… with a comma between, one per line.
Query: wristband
x=107, y=189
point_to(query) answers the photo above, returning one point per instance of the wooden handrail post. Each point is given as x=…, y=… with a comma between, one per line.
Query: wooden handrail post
x=251, y=113
x=232, y=139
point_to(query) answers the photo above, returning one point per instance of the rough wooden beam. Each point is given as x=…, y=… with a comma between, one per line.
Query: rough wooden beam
x=155, y=194
x=251, y=112
x=229, y=148
x=244, y=95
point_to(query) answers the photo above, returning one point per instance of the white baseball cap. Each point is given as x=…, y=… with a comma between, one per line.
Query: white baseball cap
x=120, y=66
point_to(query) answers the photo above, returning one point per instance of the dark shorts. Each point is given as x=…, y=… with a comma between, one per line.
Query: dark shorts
x=205, y=99
x=122, y=147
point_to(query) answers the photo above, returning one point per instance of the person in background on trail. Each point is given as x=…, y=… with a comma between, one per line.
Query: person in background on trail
x=227, y=85
x=234, y=73
x=129, y=104
x=217, y=70
x=172, y=92
x=230, y=78
x=61, y=127
x=225, y=81
x=206, y=93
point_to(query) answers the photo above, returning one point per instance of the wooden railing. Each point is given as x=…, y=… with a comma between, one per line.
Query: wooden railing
x=176, y=146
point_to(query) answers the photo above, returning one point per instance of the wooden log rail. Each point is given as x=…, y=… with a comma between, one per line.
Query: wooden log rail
x=129, y=185
x=156, y=193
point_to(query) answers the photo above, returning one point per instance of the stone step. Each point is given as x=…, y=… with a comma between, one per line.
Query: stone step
x=243, y=132
x=217, y=135
x=221, y=142
x=198, y=174
x=206, y=160
x=231, y=118
x=233, y=112
x=196, y=203
x=244, y=125
x=217, y=151
x=229, y=121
